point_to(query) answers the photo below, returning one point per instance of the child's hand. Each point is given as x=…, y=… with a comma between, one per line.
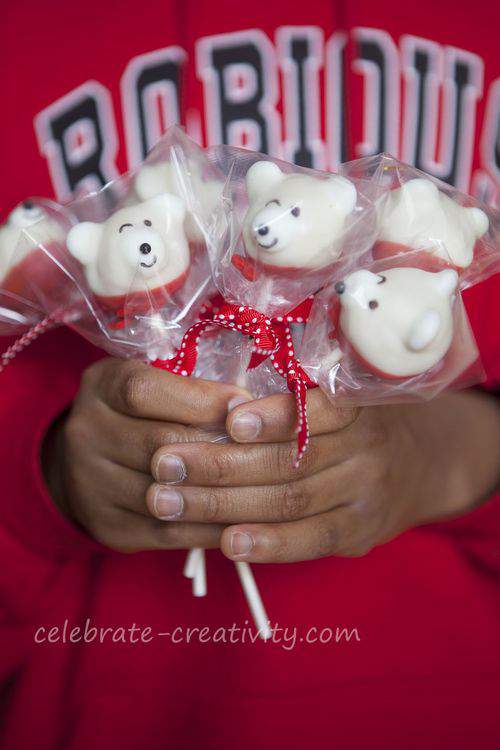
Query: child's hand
x=97, y=460
x=367, y=476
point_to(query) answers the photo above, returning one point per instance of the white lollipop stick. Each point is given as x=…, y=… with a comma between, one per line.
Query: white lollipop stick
x=200, y=576
x=190, y=564
x=195, y=569
x=254, y=600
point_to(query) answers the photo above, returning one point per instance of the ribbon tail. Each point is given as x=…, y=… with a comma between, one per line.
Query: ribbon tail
x=184, y=361
x=301, y=312
x=256, y=359
x=299, y=389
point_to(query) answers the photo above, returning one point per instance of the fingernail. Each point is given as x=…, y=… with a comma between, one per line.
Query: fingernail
x=241, y=543
x=170, y=469
x=168, y=503
x=246, y=426
x=236, y=401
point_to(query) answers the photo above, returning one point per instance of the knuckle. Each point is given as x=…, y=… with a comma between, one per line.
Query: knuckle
x=77, y=432
x=280, y=461
x=377, y=471
x=348, y=540
x=90, y=376
x=134, y=387
x=203, y=395
x=197, y=399
x=328, y=542
x=375, y=433
x=211, y=504
x=374, y=517
x=347, y=415
x=96, y=375
x=218, y=466
x=294, y=502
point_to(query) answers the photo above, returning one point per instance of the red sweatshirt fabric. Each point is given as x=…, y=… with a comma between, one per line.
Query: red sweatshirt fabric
x=410, y=656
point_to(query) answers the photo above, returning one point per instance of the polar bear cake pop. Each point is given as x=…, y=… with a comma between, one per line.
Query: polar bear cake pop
x=294, y=221
x=419, y=216
x=139, y=250
x=399, y=322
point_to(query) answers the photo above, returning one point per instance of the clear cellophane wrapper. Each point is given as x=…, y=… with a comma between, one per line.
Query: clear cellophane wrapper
x=279, y=232
x=22, y=263
x=391, y=325
x=132, y=266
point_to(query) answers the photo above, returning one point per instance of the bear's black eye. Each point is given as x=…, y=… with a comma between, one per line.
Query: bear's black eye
x=296, y=211
x=147, y=222
x=373, y=304
x=382, y=279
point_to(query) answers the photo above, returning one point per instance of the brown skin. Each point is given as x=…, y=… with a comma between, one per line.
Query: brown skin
x=369, y=474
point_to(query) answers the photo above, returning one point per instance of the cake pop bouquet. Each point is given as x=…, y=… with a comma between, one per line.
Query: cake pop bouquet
x=391, y=325
x=232, y=266
x=278, y=233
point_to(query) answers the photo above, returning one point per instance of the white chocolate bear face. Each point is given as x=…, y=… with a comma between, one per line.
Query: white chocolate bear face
x=399, y=321
x=154, y=179
x=295, y=220
x=420, y=216
x=138, y=246
x=20, y=218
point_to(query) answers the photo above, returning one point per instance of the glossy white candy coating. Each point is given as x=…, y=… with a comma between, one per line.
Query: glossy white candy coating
x=295, y=220
x=198, y=194
x=420, y=216
x=20, y=218
x=399, y=321
x=138, y=247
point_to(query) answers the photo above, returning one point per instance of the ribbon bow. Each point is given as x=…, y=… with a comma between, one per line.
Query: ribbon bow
x=272, y=338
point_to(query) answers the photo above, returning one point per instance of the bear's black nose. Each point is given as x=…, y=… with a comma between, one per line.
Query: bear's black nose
x=145, y=248
x=263, y=230
x=340, y=287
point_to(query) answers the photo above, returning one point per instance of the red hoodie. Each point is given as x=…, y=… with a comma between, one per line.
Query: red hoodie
x=411, y=653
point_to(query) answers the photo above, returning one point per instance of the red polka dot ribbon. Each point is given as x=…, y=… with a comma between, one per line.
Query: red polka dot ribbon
x=272, y=338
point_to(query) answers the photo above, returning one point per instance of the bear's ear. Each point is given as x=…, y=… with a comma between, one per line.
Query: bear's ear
x=261, y=176
x=151, y=180
x=166, y=204
x=424, y=330
x=83, y=241
x=479, y=221
x=420, y=188
x=343, y=193
x=446, y=281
